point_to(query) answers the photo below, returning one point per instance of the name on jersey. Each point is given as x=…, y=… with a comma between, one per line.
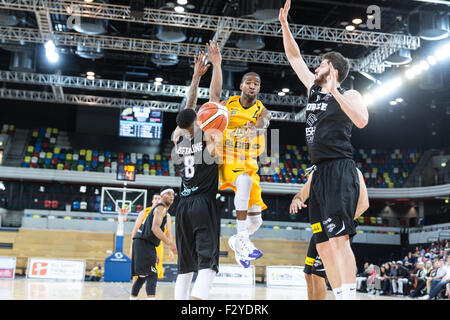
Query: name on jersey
x=241, y=145
x=316, y=106
x=197, y=147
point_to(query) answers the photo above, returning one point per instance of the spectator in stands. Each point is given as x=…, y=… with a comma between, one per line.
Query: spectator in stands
x=374, y=281
x=420, y=275
x=96, y=273
x=361, y=278
x=431, y=274
x=440, y=286
x=403, y=278
x=393, y=275
x=440, y=274
x=370, y=278
x=385, y=281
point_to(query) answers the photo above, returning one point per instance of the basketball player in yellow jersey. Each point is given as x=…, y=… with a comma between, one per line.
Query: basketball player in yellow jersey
x=243, y=141
x=168, y=231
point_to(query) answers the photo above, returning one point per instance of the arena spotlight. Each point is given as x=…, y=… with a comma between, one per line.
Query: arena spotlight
x=357, y=21
x=50, y=46
x=285, y=90
x=417, y=70
x=90, y=74
x=50, y=51
x=431, y=60
x=159, y=79
x=281, y=94
x=393, y=103
x=350, y=28
x=424, y=65
x=52, y=56
x=409, y=74
x=179, y=9
x=368, y=99
x=182, y=2
x=158, y=83
x=399, y=100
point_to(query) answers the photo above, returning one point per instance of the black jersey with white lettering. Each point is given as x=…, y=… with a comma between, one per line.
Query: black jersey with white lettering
x=328, y=128
x=145, y=229
x=198, y=169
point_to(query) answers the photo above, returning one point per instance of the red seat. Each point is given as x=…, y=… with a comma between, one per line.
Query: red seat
x=55, y=204
x=47, y=204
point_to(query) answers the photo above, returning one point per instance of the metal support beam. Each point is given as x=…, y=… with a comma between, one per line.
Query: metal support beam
x=144, y=88
x=212, y=23
x=108, y=102
x=155, y=46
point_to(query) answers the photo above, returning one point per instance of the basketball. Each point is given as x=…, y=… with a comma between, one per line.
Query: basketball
x=213, y=115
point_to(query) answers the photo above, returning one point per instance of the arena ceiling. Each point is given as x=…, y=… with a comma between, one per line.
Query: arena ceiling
x=397, y=18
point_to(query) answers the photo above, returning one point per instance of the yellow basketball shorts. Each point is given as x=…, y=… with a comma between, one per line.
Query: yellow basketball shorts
x=228, y=175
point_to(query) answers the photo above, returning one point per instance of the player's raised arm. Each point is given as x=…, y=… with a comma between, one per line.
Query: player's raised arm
x=293, y=51
x=200, y=69
x=214, y=56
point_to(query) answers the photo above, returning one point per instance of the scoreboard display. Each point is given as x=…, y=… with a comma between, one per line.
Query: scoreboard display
x=126, y=172
x=141, y=122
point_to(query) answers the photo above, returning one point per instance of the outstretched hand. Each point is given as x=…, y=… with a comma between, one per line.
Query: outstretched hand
x=284, y=12
x=214, y=55
x=331, y=79
x=200, y=67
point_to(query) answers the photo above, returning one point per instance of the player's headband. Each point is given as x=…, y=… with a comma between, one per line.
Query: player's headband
x=167, y=190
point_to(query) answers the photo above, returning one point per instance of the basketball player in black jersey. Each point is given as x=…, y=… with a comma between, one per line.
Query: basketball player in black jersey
x=330, y=115
x=197, y=218
x=314, y=270
x=147, y=238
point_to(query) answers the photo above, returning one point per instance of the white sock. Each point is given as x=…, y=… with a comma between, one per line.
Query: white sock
x=151, y=298
x=338, y=293
x=183, y=286
x=349, y=291
x=241, y=225
x=133, y=298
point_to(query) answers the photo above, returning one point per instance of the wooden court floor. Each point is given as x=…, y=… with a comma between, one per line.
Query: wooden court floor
x=24, y=289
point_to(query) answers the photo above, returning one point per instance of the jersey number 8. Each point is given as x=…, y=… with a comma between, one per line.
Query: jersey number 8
x=189, y=169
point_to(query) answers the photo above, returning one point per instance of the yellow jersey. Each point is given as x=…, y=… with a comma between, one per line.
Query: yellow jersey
x=239, y=155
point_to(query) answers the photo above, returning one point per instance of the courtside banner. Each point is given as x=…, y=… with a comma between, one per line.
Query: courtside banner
x=235, y=274
x=58, y=269
x=285, y=276
x=7, y=267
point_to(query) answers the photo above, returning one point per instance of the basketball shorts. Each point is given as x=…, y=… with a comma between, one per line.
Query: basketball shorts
x=143, y=259
x=228, y=175
x=197, y=231
x=333, y=199
x=313, y=263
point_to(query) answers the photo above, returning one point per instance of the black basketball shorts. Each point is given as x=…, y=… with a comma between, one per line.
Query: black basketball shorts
x=197, y=227
x=333, y=199
x=143, y=259
x=313, y=263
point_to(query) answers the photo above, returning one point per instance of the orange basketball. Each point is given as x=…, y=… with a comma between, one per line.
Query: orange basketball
x=213, y=115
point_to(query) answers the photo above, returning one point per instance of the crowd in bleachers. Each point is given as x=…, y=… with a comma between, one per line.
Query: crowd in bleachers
x=422, y=274
x=381, y=168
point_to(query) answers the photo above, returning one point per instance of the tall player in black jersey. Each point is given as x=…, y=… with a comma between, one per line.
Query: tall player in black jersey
x=197, y=218
x=330, y=115
x=146, y=239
